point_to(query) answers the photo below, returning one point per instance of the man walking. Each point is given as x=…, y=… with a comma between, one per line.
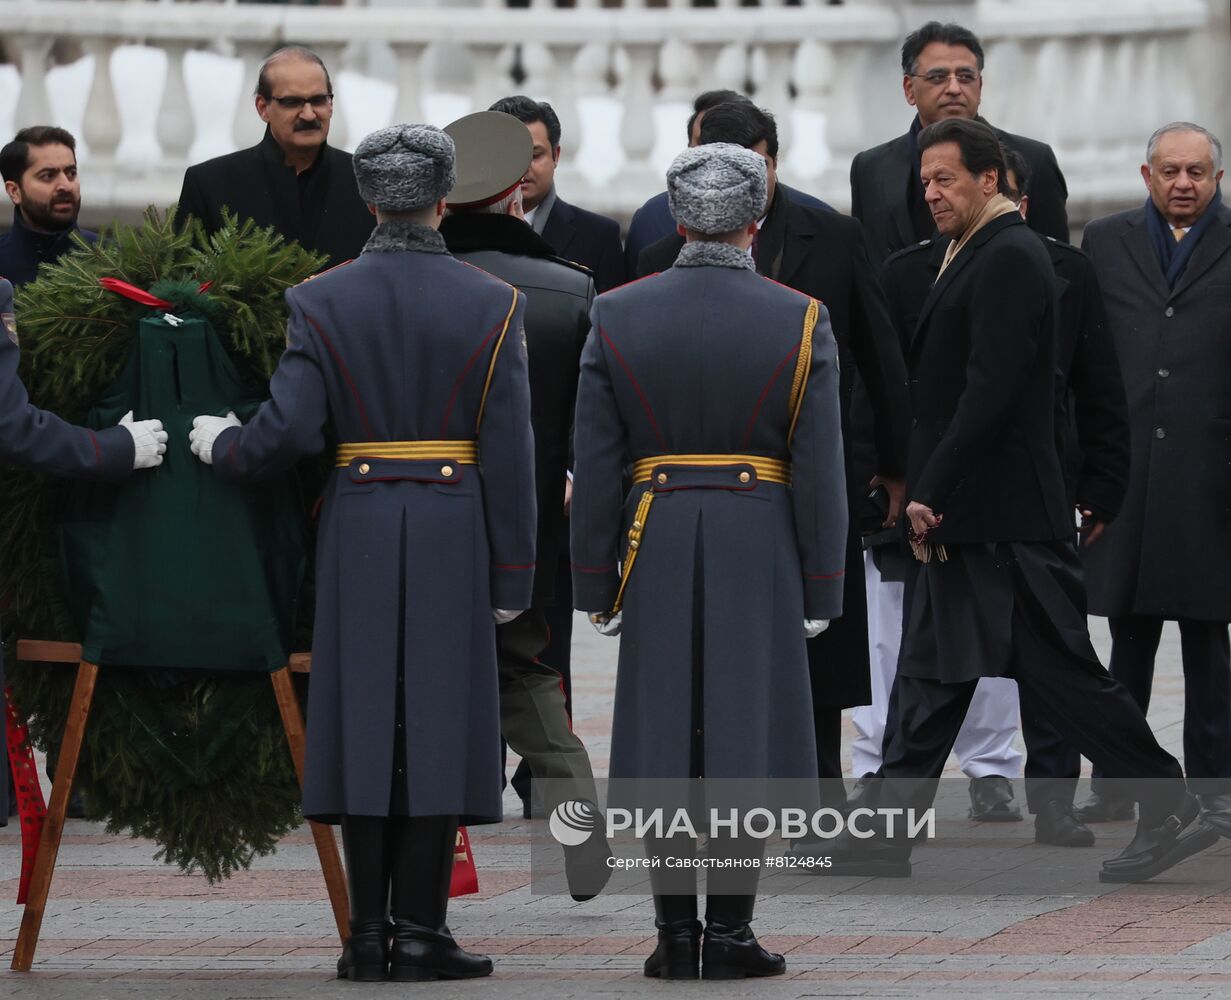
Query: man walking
x=999, y=593
x=485, y=228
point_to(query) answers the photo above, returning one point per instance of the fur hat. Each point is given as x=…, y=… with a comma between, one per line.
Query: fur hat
x=404, y=168
x=717, y=187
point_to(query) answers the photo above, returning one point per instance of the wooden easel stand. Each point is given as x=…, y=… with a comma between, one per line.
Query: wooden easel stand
x=42, y=651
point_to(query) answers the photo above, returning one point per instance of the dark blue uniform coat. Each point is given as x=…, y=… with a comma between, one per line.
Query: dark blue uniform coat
x=700, y=360
x=38, y=440
x=410, y=559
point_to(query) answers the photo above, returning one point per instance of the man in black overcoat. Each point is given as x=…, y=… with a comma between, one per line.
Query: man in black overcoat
x=942, y=77
x=1092, y=440
x=1165, y=268
x=823, y=254
x=292, y=179
x=999, y=592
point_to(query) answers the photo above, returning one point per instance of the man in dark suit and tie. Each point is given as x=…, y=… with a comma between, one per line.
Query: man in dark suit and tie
x=942, y=77
x=1165, y=269
x=823, y=254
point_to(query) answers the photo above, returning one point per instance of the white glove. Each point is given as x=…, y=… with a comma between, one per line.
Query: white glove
x=149, y=441
x=205, y=429
x=814, y=627
x=608, y=624
x=502, y=617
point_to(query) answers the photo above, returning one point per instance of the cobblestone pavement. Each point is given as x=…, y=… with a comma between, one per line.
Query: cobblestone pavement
x=119, y=925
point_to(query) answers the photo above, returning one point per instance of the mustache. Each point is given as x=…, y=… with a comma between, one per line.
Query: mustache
x=303, y=126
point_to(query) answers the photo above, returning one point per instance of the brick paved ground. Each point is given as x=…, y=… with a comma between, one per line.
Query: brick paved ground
x=120, y=926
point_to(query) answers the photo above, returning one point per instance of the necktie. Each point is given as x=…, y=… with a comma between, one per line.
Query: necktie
x=1178, y=233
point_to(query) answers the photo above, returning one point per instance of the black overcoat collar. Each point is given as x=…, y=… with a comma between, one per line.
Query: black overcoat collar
x=957, y=266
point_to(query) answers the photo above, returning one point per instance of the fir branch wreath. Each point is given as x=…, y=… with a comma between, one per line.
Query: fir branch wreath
x=197, y=762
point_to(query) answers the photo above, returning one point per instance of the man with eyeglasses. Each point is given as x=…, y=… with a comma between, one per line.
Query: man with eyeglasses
x=292, y=179
x=942, y=77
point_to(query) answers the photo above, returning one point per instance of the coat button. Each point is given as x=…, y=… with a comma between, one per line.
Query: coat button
x=1164, y=372
x=1159, y=433
x=1169, y=312
x=662, y=478
x=364, y=469
x=446, y=471
x=744, y=477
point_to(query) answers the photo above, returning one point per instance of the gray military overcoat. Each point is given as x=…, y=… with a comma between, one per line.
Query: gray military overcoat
x=412, y=555
x=713, y=672
x=1168, y=552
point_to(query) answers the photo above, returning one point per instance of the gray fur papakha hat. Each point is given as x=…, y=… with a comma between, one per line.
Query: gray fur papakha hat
x=404, y=168
x=717, y=187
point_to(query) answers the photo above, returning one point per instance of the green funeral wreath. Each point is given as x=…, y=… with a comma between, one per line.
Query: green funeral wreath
x=197, y=762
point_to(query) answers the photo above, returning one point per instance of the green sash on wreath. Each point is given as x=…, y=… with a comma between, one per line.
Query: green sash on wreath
x=176, y=568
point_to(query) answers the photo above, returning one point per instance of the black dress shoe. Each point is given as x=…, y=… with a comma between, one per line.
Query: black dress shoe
x=872, y=857
x=1105, y=809
x=365, y=959
x=421, y=954
x=991, y=800
x=1055, y=824
x=586, y=867
x=1154, y=849
x=733, y=952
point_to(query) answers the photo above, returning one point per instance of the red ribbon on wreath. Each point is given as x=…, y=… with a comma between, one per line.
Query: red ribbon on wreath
x=130, y=291
x=31, y=809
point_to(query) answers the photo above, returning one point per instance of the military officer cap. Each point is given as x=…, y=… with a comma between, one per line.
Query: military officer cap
x=493, y=152
x=404, y=168
x=717, y=187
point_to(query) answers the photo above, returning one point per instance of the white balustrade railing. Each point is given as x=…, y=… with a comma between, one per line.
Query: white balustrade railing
x=151, y=87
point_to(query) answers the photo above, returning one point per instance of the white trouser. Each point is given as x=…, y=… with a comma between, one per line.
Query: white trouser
x=984, y=744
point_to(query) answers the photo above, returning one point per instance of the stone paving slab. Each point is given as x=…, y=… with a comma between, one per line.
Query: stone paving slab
x=121, y=926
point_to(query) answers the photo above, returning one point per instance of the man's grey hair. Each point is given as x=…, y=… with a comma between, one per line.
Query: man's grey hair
x=1215, y=145
x=502, y=206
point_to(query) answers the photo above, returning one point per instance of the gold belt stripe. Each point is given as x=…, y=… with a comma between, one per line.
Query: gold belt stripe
x=462, y=452
x=772, y=470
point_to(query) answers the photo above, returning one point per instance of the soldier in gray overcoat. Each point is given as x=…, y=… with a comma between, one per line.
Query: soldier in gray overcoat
x=721, y=388
x=417, y=363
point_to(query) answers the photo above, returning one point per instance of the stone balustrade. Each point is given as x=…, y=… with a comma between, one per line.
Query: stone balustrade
x=151, y=86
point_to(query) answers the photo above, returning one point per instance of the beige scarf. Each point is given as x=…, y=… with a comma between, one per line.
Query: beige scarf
x=997, y=206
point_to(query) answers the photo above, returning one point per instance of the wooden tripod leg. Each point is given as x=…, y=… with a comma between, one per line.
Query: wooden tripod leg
x=53, y=827
x=322, y=833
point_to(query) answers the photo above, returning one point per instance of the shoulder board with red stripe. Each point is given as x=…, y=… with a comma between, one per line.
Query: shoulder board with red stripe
x=312, y=277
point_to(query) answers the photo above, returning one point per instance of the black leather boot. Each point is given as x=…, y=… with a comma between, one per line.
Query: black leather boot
x=678, y=953
x=365, y=959
x=423, y=948
x=730, y=950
